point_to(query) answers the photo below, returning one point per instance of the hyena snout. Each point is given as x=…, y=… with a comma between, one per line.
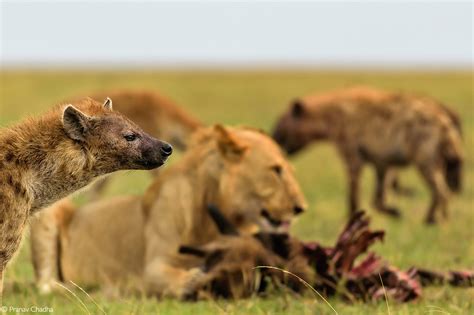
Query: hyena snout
x=155, y=153
x=166, y=149
x=285, y=142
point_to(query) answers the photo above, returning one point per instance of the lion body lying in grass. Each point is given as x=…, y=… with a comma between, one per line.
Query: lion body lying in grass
x=101, y=243
x=135, y=240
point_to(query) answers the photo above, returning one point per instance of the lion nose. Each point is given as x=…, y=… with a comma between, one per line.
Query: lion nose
x=166, y=149
x=297, y=210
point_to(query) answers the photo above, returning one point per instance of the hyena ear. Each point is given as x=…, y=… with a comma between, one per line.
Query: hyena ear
x=75, y=123
x=108, y=103
x=229, y=147
x=297, y=109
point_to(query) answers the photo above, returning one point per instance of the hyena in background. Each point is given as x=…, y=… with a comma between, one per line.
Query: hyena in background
x=156, y=115
x=386, y=130
x=45, y=159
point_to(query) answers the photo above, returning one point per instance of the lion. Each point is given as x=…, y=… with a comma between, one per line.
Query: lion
x=383, y=129
x=134, y=240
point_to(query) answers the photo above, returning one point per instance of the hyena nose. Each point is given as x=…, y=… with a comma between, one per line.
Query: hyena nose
x=297, y=210
x=166, y=149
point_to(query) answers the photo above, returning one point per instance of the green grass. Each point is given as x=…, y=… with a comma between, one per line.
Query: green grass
x=256, y=99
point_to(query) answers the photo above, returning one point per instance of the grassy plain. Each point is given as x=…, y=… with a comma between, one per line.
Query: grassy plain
x=256, y=98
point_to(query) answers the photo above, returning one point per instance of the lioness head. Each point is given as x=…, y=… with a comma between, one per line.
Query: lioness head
x=256, y=184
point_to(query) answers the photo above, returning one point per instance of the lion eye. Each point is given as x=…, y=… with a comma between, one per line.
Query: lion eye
x=277, y=169
x=131, y=137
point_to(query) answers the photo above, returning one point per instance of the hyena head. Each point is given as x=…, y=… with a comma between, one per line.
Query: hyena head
x=297, y=127
x=114, y=142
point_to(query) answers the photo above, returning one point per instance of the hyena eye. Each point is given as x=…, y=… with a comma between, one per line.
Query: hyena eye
x=277, y=169
x=131, y=137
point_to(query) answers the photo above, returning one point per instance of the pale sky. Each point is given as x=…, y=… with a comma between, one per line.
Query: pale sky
x=236, y=33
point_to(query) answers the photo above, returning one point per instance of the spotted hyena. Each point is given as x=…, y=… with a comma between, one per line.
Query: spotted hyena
x=385, y=130
x=47, y=158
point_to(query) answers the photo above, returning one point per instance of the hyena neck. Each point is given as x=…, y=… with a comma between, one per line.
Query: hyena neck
x=47, y=163
x=61, y=174
x=327, y=125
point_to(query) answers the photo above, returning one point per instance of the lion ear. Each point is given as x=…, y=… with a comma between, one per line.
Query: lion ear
x=229, y=147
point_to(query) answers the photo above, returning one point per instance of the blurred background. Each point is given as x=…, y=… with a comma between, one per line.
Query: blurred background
x=240, y=63
x=222, y=34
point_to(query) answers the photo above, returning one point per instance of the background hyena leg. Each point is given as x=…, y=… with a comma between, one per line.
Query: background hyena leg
x=354, y=167
x=380, y=190
x=44, y=229
x=439, y=192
